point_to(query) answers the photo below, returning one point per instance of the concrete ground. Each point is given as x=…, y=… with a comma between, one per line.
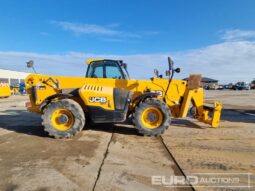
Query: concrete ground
x=115, y=157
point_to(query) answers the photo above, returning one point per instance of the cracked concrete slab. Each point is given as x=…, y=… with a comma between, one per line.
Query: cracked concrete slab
x=30, y=160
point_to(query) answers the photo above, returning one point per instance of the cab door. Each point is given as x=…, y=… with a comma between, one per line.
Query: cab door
x=108, y=74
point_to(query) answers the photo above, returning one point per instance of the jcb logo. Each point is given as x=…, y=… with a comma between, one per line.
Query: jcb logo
x=97, y=99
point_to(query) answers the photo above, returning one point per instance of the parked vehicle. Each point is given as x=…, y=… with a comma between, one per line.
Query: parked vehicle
x=241, y=86
x=228, y=86
x=253, y=84
x=107, y=94
x=221, y=87
x=5, y=90
x=211, y=86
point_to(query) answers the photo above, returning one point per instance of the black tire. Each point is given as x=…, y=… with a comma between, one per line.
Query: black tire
x=155, y=103
x=76, y=111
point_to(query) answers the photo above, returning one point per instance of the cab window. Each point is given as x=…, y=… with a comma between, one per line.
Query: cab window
x=105, y=69
x=113, y=71
x=98, y=72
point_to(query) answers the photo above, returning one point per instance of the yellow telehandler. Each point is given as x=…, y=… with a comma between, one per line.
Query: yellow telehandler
x=5, y=90
x=107, y=95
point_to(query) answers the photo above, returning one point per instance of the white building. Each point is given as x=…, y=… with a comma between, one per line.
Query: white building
x=12, y=77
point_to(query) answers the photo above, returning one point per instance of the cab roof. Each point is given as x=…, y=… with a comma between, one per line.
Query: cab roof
x=89, y=61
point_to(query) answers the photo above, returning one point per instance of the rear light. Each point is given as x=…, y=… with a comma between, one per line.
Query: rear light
x=28, y=104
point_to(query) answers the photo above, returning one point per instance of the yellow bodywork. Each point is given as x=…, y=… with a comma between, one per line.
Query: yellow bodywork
x=15, y=90
x=89, y=61
x=179, y=96
x=5, y=90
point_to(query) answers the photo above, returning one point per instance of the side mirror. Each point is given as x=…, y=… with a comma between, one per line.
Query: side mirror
x=170, y=63
x=156, y=72
x=30, y=63
x=167, y=73
x=177, y=70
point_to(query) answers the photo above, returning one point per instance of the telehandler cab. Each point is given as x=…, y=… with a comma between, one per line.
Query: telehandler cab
x=108, y=95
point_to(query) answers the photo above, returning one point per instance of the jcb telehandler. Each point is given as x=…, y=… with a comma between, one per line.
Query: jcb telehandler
x=108, y=95
x=5, y=90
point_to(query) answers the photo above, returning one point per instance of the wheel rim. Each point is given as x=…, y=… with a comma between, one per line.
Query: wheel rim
x=152, y=117
x=62, y=119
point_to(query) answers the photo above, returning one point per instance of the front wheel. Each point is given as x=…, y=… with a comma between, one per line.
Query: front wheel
x=63, y=118
x=152, y=117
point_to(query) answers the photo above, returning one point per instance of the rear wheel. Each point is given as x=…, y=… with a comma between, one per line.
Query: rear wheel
x=63, y=118
x=152, y=117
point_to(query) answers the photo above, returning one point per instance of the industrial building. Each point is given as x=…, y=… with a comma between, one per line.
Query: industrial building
x=13, y=78
x=208, y=83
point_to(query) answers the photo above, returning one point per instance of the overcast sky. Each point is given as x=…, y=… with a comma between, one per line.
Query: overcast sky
x=215, y=38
